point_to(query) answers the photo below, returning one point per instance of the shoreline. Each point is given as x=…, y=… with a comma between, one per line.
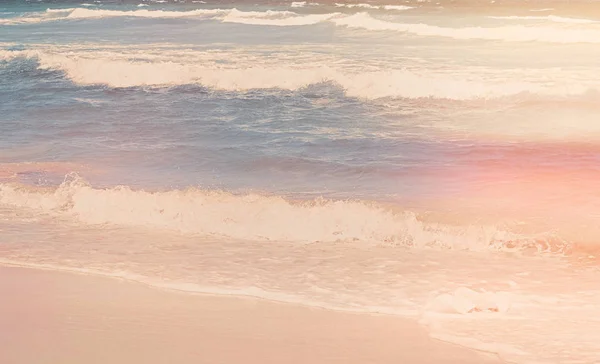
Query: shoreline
x=61, y=316
x=199, y=292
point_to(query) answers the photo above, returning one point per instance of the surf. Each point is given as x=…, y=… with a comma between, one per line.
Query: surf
x=253, y=216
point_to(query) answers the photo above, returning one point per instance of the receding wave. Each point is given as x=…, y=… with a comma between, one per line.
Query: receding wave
x=252, y=216
x=118, y=71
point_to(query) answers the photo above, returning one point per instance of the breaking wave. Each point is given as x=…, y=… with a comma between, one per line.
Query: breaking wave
x=119, y=71
x=253, y=216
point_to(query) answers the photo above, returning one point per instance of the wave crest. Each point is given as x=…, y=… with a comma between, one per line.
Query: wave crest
x=119, y=70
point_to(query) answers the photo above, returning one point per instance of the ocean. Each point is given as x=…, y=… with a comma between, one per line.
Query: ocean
x=437, y=160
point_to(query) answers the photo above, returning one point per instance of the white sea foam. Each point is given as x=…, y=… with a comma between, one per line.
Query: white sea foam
x=464, y=301
x=370, y=6
x=298, y=4
x=397, y=7
x=505, y=33
x=251, y=216
x=364, y=6
x=274, y=18
x=81, y=13
x=60, y=10
x=10, y=55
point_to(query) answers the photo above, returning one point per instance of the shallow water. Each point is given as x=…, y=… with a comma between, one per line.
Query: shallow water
x=431, y=160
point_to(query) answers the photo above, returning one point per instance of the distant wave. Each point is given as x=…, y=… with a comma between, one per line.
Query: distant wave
x=250, y=216
x=365, y=6
x=370, y=6
x=515, y=33
x=170, y=68
x=81, y=13
x=269, y=17
x=274, y=18
x=553, y=18
x=397, y=7
x=302, y=4
x=85, y=13
x=505, y=33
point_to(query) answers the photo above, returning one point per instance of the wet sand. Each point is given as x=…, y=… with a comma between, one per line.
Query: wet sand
x=56, y=317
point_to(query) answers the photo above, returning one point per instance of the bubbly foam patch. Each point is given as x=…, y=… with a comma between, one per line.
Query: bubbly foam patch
x=465, y=300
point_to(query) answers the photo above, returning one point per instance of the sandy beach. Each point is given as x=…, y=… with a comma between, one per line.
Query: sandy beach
x=55, y=317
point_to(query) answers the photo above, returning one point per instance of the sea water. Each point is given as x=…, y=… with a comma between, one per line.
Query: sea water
x=432, y=159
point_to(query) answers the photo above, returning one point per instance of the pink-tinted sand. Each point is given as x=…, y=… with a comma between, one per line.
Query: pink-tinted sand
x=53, y=317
